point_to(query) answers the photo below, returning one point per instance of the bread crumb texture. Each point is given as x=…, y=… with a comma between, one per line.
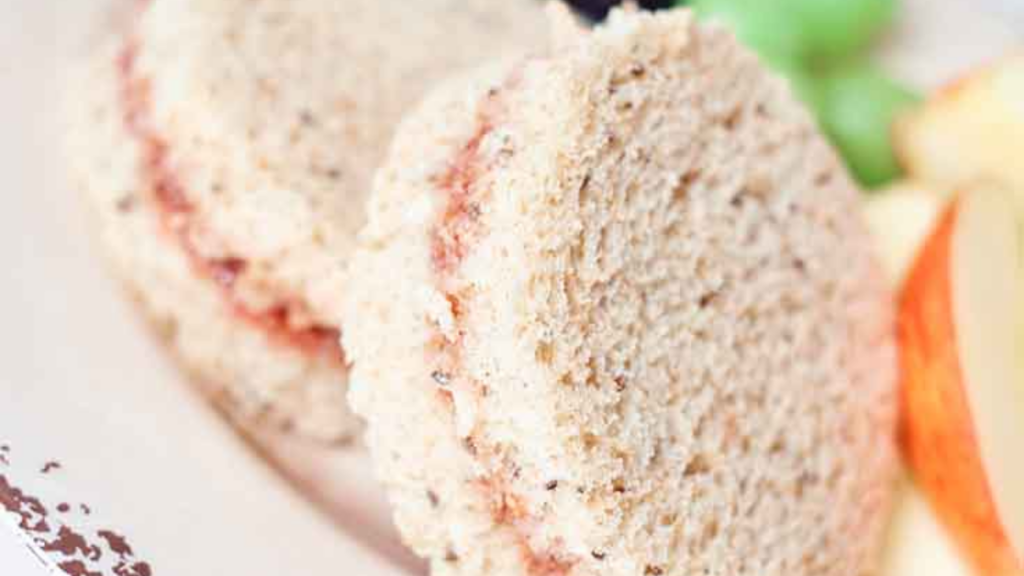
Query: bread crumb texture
x=618, y=314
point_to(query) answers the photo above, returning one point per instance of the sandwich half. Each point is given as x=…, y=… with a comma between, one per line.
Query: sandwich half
x=617, y=314
x=227, y=148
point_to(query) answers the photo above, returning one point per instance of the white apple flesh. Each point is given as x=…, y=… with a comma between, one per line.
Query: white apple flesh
x=988, y=309
x=900, y=218
x=917, y=544
x=970, y=131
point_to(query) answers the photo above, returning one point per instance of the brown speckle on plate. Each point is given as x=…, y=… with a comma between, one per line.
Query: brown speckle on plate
x=70, y=540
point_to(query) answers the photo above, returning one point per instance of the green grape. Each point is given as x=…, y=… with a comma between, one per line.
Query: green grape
x=859, y=105
x=801, y=81
x=769, y=33
x=837, y=28
x=756, y=23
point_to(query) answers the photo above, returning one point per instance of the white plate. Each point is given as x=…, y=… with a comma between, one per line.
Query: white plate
x=83, y=384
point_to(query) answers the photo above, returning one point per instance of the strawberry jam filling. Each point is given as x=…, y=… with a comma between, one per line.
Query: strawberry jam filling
x=457, y=227
x=451, y=237
x=177, y=211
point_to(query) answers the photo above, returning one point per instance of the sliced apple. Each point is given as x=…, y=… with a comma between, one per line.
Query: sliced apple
x=971, y=131
x=900, y=219
x=963, y=394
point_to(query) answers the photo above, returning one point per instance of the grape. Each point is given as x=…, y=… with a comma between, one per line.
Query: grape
x=823, y=29
x=767, y=31
x=756, y=23
x=859, y=105
x=804, y=85
x=836, y=28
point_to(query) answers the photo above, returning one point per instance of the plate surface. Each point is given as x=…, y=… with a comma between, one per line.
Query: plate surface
x=84, y=385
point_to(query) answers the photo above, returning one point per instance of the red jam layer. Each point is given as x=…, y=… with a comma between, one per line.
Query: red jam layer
x=451, y=241
x=176, y=210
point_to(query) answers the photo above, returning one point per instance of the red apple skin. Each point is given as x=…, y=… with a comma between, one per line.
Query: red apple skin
x=936, y=431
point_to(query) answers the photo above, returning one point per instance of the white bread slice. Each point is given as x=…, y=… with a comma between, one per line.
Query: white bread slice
x=616, y=312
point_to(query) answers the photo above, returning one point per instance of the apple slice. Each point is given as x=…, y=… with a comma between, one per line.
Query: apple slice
x=963, y=396
x=900, y=219
x=970, y=131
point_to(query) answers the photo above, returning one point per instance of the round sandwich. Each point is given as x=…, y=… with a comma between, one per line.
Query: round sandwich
x=617, y=314
x=228, y=147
